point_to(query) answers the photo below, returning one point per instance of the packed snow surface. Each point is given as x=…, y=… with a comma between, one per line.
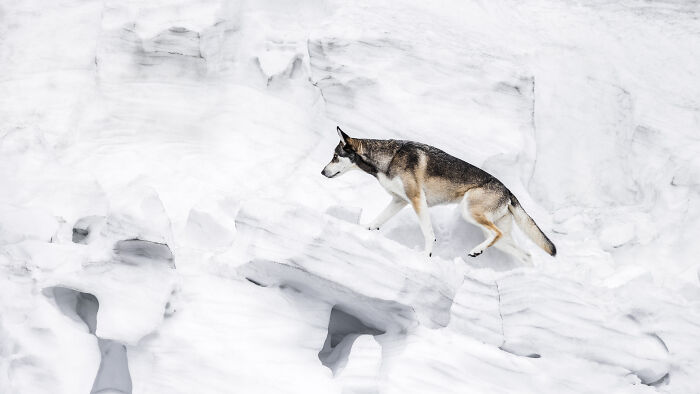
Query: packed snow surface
x=164, y=226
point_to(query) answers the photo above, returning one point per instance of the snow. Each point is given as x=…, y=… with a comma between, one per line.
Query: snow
x=164, y=226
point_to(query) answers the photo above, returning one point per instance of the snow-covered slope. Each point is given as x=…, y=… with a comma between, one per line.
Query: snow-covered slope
x=164, y=226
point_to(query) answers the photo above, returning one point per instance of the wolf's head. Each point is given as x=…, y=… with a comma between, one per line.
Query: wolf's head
x=344, y=157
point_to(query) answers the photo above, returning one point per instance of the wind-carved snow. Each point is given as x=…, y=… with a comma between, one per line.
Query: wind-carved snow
x=113, y=373
x=334, y=253
x=522, y=313
x=540, y=316
x=343, y=330
x=163, y=159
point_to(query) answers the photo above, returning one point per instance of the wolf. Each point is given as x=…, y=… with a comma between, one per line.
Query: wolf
x=424, y=176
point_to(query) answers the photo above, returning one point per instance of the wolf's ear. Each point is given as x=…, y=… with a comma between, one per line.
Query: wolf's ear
x=344, y=138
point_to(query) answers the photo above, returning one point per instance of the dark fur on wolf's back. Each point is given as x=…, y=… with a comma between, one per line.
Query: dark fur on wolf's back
x=405, y=157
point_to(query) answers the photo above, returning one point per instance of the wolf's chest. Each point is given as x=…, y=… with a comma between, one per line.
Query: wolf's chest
x=392, y=185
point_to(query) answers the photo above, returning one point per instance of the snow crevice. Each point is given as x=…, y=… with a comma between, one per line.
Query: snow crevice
x=343, y=330
x=137, y=251
x=113, y=373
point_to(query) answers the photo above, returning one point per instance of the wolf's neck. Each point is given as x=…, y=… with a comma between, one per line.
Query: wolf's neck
x=366, y=166
x=376, y=154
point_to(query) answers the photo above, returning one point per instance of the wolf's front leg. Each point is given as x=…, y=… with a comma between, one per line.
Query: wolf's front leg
x=392, y=209
x=420, y=205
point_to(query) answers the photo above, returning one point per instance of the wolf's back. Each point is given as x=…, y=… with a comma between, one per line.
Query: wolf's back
x=529, y=227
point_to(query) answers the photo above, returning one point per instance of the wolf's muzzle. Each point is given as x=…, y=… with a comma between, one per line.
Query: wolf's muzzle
x=324, y=173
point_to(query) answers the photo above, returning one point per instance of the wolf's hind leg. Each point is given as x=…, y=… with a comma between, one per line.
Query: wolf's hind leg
x=507, y=243
x=479, y=207
x=392, y=209
x=493, y=234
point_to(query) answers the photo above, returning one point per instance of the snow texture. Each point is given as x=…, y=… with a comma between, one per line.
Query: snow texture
x=164, y=226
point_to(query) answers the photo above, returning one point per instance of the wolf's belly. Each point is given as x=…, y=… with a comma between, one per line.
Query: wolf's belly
x=437, y=197
x=436, y=193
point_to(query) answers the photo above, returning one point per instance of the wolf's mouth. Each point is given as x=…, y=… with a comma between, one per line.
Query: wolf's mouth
x=329, y=176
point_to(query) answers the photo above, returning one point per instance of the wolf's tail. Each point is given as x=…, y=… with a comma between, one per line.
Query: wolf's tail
x=529, y=227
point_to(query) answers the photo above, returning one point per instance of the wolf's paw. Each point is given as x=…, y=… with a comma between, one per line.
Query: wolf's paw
x=475, y=253
x=370, y=226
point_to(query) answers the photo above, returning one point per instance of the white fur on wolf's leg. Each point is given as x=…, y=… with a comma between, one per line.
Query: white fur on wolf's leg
x=507, y=243
x=488, y=233
x=392, y=209
x=479, y=249
x=425, y=225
